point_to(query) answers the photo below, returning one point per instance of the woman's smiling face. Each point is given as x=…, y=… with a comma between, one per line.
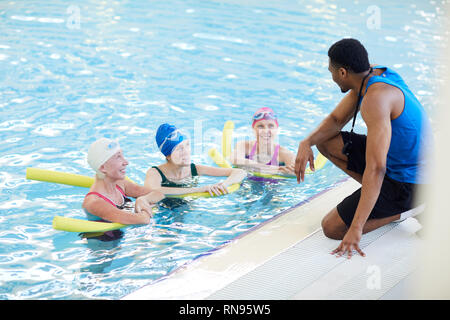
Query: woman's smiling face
x=115, y=167
x=266, y=130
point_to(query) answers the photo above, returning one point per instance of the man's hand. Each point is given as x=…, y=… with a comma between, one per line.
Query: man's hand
x=304, y=155
x=350, y=243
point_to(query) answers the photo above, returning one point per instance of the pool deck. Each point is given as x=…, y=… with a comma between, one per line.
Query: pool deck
x=288, y=257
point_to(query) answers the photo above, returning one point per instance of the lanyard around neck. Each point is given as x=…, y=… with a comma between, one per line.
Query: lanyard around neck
x=358, y=102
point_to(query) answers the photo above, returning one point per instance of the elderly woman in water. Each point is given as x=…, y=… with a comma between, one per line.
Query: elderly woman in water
x=108, y=199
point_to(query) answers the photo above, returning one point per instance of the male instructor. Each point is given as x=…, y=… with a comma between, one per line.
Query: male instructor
x=388, y=162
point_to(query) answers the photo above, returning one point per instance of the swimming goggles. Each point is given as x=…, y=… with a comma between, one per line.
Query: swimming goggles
x=112, y=145
x=264, y=115
x=173, y=136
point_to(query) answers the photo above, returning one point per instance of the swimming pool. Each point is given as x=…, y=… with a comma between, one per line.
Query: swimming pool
x=75, y=72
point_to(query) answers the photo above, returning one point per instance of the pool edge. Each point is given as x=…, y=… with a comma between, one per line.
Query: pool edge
x=211, y=270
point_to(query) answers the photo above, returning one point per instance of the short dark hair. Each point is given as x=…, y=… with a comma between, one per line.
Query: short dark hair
x=349, y=54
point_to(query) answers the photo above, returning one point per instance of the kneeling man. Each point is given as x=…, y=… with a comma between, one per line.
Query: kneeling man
x=388, y=161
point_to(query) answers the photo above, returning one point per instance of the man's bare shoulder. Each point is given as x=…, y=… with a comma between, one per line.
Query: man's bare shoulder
x=380, y=100
x=381, y=91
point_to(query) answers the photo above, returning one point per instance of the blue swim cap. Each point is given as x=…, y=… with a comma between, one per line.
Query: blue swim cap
x=168, y=137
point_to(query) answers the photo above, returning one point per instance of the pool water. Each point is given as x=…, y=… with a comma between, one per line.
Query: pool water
x=71, y=73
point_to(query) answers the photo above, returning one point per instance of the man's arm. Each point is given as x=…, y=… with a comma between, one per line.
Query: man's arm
x=375, y=111
x=327, y=129
x=335, y=121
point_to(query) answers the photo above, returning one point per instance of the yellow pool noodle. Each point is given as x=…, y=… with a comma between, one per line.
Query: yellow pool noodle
x=231, y=189
x=85, y=181
x=59, y=177
x=218, y=158
x=70, y=179
x=270, y=176
x=79, y=225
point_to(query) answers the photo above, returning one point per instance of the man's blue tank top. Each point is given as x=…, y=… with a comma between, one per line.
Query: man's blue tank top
x=411, y=134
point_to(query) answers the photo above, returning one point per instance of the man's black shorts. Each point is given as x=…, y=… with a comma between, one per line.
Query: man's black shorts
x=395, y=197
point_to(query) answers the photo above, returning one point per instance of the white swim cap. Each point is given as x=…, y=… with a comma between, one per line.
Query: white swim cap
x=100, y=151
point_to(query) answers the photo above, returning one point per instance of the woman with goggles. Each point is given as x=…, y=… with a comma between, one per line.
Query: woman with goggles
x=173, y=177
x=264, y=154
